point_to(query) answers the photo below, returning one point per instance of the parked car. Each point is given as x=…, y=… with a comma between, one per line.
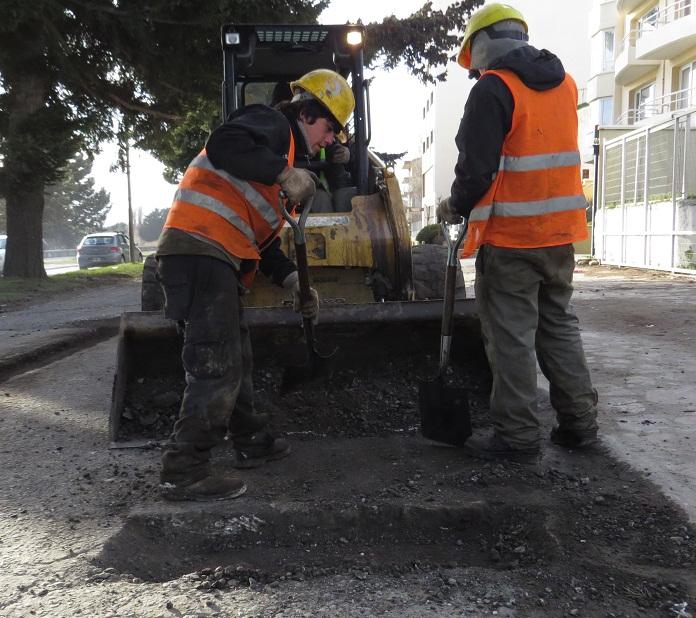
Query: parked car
x=3, y=244
x=104, y=249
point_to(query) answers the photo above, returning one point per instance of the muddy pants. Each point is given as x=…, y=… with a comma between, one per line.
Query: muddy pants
x=203, y=293
x=523, y=296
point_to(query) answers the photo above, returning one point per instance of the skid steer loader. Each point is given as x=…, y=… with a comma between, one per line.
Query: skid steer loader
x=378, y=292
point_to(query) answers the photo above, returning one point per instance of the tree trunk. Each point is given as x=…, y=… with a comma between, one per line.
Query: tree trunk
x=24, y=193
x=24, y=254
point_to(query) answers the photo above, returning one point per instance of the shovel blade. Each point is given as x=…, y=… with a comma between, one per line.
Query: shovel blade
x=444, y=412
x=317, y=368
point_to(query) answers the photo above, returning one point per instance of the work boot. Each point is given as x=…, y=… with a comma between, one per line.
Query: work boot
x=256, y=449
x=491, y=447
x=219, y=486
x=570, y=438
x=245, y=423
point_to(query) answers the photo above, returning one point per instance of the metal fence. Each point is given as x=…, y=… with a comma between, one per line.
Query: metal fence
x=646, y=216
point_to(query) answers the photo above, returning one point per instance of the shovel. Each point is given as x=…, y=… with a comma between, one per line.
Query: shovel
x=317, y=366
x=444, y=409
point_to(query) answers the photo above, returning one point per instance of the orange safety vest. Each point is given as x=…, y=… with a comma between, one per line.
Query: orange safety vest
x=536, y=199
x=240, y=216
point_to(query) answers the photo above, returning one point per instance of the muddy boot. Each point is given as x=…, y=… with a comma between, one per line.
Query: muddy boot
x=256, y=449
x=246, y=423
x=218, y=486
x=491, y=447
x=570, y=438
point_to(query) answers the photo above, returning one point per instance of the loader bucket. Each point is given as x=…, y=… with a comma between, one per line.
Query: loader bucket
x=372, y=337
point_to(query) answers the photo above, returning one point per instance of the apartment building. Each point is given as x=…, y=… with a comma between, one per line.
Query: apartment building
x=443, y=104
x=644, y=102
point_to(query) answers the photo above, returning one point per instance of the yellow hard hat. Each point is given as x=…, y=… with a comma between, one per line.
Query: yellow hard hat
x=330, y=89
x=484, y=17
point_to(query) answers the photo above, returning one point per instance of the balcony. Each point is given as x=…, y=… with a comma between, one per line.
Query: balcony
x=628, y=66
x=659, y=108
x=600, y=86
x=670, y=32
x=602, y=17
x=626, y=6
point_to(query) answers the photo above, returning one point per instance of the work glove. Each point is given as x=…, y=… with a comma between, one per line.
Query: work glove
x=445, y=213
x=310, y=309
x=298, y=184
x=338, y=153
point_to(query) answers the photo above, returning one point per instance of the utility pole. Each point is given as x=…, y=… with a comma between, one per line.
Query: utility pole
x=131, y=240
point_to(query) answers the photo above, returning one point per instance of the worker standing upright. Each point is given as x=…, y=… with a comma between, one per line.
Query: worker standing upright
x=517, y=181
x=222, y=227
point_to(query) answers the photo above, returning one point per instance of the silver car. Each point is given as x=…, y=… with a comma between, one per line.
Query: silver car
x=104, y=249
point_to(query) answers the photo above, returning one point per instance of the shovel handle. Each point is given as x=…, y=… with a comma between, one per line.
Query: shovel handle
x=450, y=286
x=300, y=241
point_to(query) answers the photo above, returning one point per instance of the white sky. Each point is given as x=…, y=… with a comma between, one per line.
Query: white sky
x=396, y=97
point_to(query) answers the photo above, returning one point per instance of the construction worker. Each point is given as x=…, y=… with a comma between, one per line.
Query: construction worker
x=329, y=163
x=517, y=181
x=223, y=225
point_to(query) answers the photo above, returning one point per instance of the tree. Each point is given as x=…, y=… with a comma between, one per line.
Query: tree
x=73, y=208
x=152, y=224
x=72, y=70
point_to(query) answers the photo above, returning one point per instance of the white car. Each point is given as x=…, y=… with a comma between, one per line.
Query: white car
x=3, y=243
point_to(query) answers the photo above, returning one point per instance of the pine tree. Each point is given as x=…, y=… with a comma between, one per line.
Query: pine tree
x=72, y=207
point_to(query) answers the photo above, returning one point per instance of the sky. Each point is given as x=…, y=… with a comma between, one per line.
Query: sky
x=396, y=97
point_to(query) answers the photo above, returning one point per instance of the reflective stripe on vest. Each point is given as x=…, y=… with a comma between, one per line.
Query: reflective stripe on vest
x=536, y=198
x=250, y=194
x=238, y=216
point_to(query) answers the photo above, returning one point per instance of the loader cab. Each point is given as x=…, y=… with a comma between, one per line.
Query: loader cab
x=259, y=59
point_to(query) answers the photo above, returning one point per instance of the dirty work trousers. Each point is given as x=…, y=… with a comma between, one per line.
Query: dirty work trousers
x=202, y=293
x=523, y=297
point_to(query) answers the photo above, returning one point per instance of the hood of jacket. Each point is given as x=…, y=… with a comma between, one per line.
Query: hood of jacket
x=539, y=69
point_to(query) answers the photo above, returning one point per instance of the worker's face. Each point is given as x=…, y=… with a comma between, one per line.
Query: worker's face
x=320, y=133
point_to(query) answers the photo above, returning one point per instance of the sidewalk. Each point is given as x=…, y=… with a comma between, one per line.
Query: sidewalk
x=39, y=329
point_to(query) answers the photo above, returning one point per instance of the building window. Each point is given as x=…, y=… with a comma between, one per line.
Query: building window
x=606, y=110
x=682, y=8
x=687, y=86
x=607, y=51
x=645, y=102
x=648, y=22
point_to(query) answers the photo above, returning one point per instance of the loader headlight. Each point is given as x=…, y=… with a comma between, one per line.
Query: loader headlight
x=232, y=38
x=354, y=37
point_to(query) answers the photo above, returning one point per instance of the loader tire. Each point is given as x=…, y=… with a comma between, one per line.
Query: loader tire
x=428, y=266
x=151, y=293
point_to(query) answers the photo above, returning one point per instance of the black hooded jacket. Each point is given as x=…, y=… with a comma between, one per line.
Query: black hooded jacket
x=487, y=120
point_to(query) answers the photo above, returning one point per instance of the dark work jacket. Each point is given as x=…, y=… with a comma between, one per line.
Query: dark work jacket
x=487, y=120
x=251, y=144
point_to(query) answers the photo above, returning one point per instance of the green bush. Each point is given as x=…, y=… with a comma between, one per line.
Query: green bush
x=429, y=233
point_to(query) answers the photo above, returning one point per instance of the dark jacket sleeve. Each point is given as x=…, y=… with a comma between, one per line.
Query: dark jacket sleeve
x=275, y=264
x=487, y=120
x=252, y=144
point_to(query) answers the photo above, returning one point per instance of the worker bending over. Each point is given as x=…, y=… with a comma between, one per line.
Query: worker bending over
x=222, y=227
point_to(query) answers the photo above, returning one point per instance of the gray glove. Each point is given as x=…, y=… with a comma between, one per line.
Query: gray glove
x=445, y=213
x=310, y=309
x=297, y=183
x=339, y=154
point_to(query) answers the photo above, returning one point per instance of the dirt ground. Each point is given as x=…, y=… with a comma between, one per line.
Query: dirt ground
x=365, y=518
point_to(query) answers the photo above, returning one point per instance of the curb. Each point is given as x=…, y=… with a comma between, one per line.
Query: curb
x=72, y=338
